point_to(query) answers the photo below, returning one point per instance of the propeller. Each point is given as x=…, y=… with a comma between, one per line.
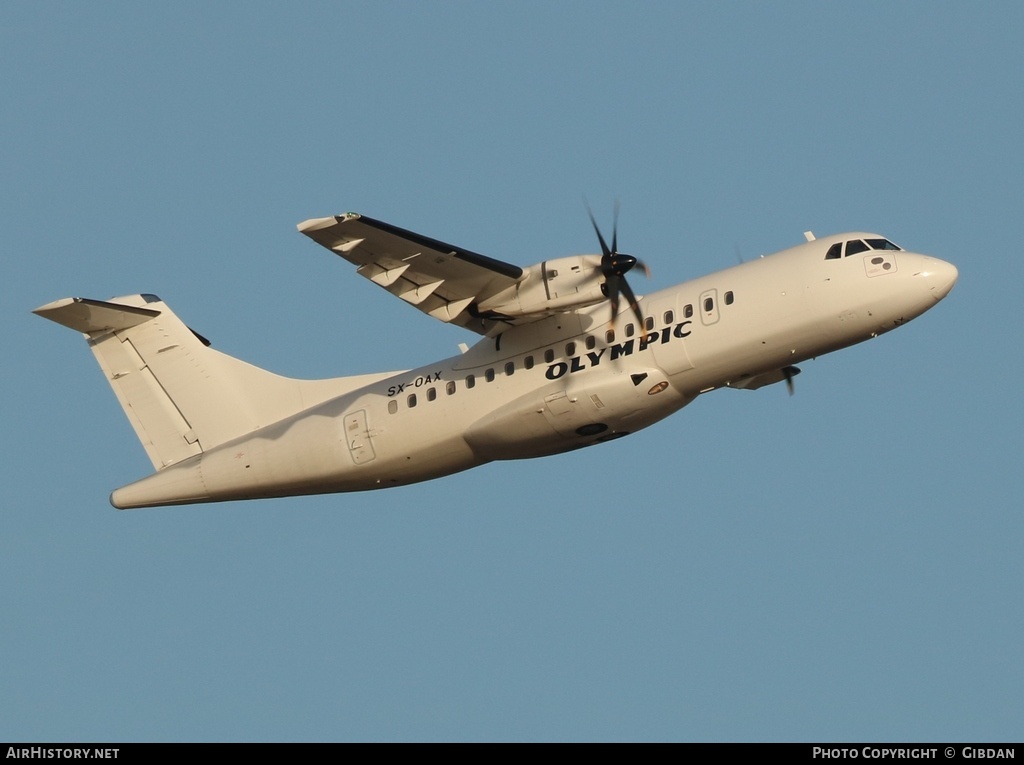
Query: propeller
x=615, y=265
x=789, y=373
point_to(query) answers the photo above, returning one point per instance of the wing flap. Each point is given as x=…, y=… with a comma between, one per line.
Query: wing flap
x=414, y=293
x=446, y=310
x=382, y=275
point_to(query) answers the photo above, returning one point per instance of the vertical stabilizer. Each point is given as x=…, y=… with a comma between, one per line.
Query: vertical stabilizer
x=181, y=396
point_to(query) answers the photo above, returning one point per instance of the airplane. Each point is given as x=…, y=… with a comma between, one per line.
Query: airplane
x=569, y=357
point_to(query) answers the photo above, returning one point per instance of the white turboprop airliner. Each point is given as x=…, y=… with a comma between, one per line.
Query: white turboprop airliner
x=559, y=366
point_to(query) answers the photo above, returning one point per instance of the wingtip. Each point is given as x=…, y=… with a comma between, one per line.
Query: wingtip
x=315, y=224
x=44, y=309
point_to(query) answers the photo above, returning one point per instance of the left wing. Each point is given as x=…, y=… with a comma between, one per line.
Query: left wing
x=441, y=280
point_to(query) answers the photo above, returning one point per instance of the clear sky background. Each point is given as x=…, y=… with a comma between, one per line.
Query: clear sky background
x=845, y=564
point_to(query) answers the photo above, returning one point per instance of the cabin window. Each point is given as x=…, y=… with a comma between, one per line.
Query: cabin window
x=590, y=342
x=549, y=355
x=489, y=375
x=669, y=316
x=835, y=251
x=629, y=330
x=470, y=381
x=729, y=297
x=510, y=368
x=854, y=246
x=449, y=388
x=412, y=400
x=649, y=323
x=392, y=406
x=431, y=394
x=528, y=362
x=609, y=336
x=688, y=311
x=570, y=349
x=709, y=304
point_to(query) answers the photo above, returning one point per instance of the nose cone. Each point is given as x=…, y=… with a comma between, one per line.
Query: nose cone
x=940, y=277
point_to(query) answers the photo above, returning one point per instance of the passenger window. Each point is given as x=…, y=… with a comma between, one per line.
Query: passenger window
x=649, y=323
x=470, y=381
x=489, y=375
x=835, y=251
x=449, y=388
x=688, y=311
x=392, y=406
x=591, y=342
x=528, y=362
x=549, y=355
x=629, y=330
x=669, y=316
x=412, y=400
x=609, y=336
x=709, y=305
x=728, y=297
x=570, y=349
x=510, y=368
x=431, y=394
x=854, y=246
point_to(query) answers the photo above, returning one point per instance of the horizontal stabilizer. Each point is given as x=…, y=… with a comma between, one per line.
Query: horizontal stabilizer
x=85, y=315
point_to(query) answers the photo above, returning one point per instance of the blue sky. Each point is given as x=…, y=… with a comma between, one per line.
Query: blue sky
x=844, y=564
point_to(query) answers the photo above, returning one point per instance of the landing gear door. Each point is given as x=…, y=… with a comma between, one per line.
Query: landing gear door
x=564, y=412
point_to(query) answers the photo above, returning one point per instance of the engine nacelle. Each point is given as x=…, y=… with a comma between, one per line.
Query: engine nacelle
x=551, y=287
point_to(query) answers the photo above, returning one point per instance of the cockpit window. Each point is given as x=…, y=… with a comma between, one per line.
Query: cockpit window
x=882, y=244
x=854, y=246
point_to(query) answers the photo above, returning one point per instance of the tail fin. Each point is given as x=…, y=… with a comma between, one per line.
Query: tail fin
x=181, y=396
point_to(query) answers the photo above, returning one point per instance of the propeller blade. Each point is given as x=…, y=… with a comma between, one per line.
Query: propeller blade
x=789, y=373
x=612, y=283
x=628, y=292
x=615, y=228
x=604, y=247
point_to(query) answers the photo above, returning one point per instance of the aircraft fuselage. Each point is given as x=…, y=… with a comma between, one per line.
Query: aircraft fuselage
x=569, y=380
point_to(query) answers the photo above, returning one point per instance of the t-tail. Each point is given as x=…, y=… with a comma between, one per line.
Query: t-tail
x=182, y=397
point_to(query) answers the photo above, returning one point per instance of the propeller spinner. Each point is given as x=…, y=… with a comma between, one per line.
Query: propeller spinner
x=615, y=265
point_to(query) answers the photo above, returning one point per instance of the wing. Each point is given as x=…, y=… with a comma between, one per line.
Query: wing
x=441, y=280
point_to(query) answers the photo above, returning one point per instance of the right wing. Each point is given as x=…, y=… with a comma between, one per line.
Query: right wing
x=442, y=280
